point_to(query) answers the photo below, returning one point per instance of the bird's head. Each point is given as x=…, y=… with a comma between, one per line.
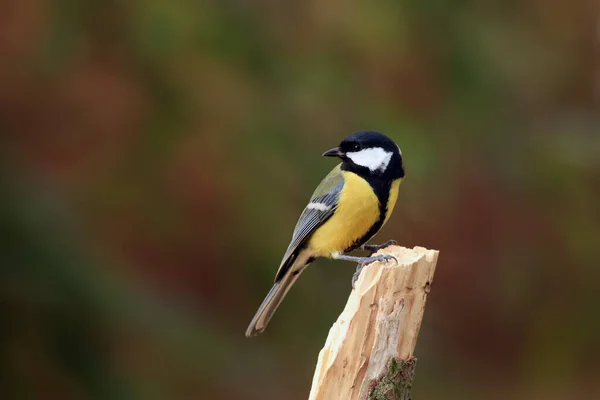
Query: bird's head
x=369, y=154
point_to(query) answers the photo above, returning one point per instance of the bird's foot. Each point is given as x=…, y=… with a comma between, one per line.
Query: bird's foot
x=359, y=268
x=367, y=260
x=384, y=258
x=374, y=248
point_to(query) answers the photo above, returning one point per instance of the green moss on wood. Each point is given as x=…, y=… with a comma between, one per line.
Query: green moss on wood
x=397, y=381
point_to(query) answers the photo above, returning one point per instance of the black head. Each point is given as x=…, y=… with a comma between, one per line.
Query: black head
x=370, y=154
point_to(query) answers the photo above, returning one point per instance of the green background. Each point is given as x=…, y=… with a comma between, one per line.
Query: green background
x=155, y=156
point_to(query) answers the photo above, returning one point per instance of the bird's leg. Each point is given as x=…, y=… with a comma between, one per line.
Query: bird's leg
x=374, y=248
x=365, y=260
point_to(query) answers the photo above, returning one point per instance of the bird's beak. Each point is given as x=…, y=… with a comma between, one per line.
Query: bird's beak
x=335, y=152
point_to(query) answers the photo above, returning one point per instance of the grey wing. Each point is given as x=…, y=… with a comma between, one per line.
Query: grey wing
x=321, y=207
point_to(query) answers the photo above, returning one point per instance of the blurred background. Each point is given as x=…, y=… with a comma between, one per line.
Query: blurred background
x=155, y=156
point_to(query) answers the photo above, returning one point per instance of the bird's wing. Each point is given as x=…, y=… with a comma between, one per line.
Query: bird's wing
x=321, y=207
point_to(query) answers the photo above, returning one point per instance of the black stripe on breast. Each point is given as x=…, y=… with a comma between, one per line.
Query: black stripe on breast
x=382, y=191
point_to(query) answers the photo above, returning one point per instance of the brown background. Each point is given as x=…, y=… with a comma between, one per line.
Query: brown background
x=155, y=156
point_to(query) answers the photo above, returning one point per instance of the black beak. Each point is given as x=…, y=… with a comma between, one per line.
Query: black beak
x=335, y=152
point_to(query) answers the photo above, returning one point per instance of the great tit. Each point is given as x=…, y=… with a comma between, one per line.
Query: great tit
x=346, y=210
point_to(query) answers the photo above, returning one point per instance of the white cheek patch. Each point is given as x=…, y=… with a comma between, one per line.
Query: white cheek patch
x=374, y=158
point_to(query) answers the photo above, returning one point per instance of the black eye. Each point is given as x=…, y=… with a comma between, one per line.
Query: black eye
x=356, y=147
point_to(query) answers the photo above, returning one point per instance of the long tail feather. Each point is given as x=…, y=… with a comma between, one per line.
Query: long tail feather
x=272, y=301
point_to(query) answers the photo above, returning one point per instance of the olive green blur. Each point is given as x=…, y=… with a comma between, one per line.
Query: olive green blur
x=155, y=156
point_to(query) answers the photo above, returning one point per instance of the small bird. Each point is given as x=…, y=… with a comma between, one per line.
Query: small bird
x=346, y=210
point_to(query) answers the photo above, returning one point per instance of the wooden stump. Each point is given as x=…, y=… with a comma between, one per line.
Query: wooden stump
x=369, y=350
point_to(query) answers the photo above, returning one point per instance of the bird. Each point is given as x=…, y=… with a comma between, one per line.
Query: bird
x=347, y=209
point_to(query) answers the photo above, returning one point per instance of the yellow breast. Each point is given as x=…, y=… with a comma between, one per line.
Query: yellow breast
x=393, y=197
x=357, y=211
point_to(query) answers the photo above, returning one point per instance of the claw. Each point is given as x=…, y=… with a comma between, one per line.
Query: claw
x=386, y=257
x=356, y=275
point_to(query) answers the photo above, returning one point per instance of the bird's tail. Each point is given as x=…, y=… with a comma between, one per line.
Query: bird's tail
x=272, y=301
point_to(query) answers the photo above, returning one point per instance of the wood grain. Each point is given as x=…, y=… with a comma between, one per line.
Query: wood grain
x=378, y=328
